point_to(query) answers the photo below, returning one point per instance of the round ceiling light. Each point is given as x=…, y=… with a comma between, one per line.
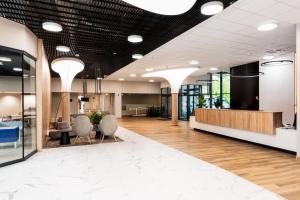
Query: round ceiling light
x=135, y=38
x=194, y=62
x=52, y=26
x=17, y=69
x=213, y=68
x=268, y=57
x=5, y=59
x=62, y=48
x=268, y=26
x=212, y=8
x=132, y=75
x=149, y=69
x=165, y=7
x=121, y=79
x=151, y=81
x=137, y=56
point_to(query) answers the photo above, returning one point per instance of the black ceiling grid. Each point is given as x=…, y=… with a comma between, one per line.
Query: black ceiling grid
x=95, y=29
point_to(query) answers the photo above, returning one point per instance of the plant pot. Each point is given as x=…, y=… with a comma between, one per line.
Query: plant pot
x=98, y=135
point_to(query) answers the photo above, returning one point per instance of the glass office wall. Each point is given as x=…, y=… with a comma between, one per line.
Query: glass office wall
x=17, y=106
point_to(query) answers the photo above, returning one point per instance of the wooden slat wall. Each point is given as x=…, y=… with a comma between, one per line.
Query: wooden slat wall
x=255, y=121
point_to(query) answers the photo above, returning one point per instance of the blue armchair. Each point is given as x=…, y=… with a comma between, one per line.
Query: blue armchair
x=9, y=134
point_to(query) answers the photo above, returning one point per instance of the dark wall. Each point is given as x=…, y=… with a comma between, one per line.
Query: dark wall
x=244, y=91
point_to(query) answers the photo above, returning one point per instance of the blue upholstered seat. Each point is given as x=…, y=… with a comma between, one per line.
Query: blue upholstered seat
x=9, y=134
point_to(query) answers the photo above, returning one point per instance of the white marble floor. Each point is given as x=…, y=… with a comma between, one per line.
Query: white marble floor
x=136, y=169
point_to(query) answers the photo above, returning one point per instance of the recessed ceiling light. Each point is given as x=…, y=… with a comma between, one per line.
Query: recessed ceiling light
x=52, y=26
x=194, y=62
x=63, y=48
x=213, y=68
x=132, y=75
x=115, y=53
x=135, y=38
x=99, y=78
x=268, y=57
x=121, y=79
x=5, y=59
x=149, y=69
x=212, y=8
x=77, y=55
x=17, y=69
x=268, y=26
x=137, y=56
x=151, y=81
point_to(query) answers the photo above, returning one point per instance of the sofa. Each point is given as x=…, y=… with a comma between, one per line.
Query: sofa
x=9, y=135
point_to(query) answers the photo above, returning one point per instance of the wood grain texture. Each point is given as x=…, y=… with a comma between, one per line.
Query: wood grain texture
x=274, y=170
x=255, y=121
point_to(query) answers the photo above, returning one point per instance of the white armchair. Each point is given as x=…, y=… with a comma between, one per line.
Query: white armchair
x=108, y=126
x=82, y=127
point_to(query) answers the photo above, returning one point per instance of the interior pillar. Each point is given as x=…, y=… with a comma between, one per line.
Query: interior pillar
x=174, y=109
x=297, y=71
x=65, y=106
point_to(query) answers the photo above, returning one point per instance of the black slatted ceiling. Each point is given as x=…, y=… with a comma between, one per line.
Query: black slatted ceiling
x=95, y=29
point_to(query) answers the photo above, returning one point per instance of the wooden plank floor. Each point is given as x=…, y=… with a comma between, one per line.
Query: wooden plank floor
x=274, y=170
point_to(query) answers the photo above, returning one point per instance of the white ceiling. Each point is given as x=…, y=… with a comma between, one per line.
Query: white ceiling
x=224, y=40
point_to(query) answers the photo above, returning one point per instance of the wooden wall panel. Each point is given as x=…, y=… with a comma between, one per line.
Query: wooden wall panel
x=255, y=121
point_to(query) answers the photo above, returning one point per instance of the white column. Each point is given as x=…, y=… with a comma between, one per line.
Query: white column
x=118, y=105
x=102, y=100
x=297, y=63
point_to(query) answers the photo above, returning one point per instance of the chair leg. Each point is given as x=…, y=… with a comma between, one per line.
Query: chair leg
x=76, y=139
x=115, y=138
x=102, y=138
x=89, y=139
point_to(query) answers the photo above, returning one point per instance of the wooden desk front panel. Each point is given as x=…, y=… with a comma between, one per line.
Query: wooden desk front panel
x=255, y=121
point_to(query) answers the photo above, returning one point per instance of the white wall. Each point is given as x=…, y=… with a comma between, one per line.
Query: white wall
x=111, y=86
x=10, y=104
x=276, y=89
x=17, y=36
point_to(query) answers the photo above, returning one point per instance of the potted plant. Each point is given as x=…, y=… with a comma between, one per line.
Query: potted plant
x=95, y=119
x=201, y=101
x=218, y=102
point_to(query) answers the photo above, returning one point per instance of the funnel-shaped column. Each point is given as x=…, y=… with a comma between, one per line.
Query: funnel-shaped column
x=175, y=77
x=67, y=68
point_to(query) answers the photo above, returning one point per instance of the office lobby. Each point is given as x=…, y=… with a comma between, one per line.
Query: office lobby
x=140, y=99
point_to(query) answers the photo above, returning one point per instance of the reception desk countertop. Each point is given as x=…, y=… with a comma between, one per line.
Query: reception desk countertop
x=254, y=121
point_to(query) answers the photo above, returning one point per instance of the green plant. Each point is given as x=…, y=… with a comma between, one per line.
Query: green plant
x=201, y=101
x=95, y=117
x=218, y=102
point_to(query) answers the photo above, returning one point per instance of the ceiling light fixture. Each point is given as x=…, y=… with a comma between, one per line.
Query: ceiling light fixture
x=151, y=81
x=67, y=68
x=52, y=26
x=194, y=62
x=121, y=79
x=17, y=69
x=165, y=7
x=149, y=69
x=213, y=68
x=267, y=26
x=62, y=48
x=277, y=62
x=212, y=8
x=137, y=56
x=268, y=57
x=5, y=59
x=135, y=38
x=132, y=75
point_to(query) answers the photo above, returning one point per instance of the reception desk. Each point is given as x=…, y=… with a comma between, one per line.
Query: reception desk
x=253, y=126
x=256, y=121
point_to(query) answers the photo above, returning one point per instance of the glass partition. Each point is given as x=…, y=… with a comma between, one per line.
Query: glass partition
x=17, y=106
